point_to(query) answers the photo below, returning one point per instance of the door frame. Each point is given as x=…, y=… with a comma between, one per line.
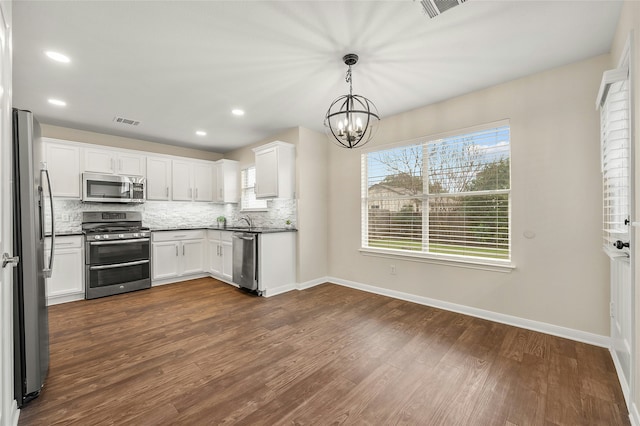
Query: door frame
x=8, y=407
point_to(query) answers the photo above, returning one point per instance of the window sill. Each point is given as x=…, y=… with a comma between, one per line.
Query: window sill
x=266, y=209
x=482, y=264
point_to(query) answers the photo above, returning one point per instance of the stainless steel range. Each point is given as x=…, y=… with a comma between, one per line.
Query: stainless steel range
x=117, y=253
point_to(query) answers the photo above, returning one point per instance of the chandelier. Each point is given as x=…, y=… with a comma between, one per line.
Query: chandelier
x=351, y=120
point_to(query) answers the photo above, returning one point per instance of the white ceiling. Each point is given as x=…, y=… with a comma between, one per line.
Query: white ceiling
x=181, y=66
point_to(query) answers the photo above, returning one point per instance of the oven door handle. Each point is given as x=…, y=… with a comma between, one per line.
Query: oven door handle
x=118, y=265
x=108, y=243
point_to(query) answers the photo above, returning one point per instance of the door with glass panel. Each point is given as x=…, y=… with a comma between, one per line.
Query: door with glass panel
x=618, y=213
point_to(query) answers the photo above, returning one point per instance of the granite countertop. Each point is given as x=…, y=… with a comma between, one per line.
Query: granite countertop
x=69, y=233
x=255, y=230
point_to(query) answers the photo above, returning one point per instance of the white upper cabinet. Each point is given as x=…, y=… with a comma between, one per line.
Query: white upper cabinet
x=108, y=161
x=225, y=186
x=63, y=163
x=182, y=181
x=203, y=182
x=158, y=178
x=192, y=181
x=275, y=170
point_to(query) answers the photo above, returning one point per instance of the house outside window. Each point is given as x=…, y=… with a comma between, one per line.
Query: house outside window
x=441, y=197
x=248, y=201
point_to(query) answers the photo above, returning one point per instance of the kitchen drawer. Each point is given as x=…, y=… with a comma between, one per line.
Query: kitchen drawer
x=62, y=242
x=226, y=236
x=178, y=235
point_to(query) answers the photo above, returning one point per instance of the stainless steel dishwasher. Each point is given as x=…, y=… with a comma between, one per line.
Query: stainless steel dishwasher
x=245, y=257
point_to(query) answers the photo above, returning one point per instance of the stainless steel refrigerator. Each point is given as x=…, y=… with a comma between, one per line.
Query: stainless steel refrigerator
x=31, y=325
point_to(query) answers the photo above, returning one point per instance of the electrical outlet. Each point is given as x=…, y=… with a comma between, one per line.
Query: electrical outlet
x=392, y=269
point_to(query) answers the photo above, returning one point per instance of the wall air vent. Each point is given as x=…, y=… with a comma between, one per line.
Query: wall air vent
x=433, y=8
x=126, y=121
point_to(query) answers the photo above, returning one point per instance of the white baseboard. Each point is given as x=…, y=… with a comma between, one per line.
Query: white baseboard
x=56, y=300
x=634, y=416
x=278, y=290
x=621, y=379
x=155, y=283
x=14, y=414
x=555, y=330
x=312, y=283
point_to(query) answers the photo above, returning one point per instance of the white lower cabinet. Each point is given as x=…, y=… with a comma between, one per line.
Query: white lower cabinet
x=177, y=254
x=67, y=278
x=276, y=262
x=220, y=254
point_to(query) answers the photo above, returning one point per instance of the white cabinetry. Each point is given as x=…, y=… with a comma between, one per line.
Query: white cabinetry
x=63, y=163
x=276, y=262
x=221, y=254
x=275, y=170
x=158, y=178
x=66, y=283
x=192, y=181
x=225, y=180
x=177, y=254
x=109, y=161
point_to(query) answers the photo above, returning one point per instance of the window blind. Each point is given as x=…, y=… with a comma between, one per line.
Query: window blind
x=248, y=199
x=447, y=196
x=614, y=125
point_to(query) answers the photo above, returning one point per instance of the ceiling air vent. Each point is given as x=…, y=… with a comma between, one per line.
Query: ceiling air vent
x=434, y=8
x=127, y=121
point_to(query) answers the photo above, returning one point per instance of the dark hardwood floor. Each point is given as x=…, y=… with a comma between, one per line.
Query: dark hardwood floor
x=202, y=352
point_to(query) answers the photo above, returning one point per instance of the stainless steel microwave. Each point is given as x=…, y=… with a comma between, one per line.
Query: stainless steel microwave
x=100, y=188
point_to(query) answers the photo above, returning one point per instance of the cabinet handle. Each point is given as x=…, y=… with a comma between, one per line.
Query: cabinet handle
x=219, y=250
x=196, y=193
x=190, y=192
x=221, y=196
x=176, y=250
x=183, y=250
x=167, y=191
x=113, y=166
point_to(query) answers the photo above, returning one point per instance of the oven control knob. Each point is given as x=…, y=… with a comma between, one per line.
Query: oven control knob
x=120, y=235
x=136, y=235
x=106, y=236
x=96, y=237
x=144, y=234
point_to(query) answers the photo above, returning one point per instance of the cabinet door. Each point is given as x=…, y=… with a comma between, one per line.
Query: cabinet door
x=165, y=260
x=130, y=164
x=215, y=259
x=158, y=178
x=192, y=252
x=225, y=180
x=181, y=181
x=227, y=260
x=203, y=182
x=267, y=173
x=99, y=161
x=66, y=277
x=63, y=162
x=218, y=183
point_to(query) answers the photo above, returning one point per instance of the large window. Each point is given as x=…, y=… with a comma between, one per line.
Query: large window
x=445, y=197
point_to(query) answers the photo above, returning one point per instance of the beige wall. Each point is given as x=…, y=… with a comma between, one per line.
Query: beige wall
x=312, y=170
x=311, y=194
x=561, y=274
x=76, y=135
x=630, y=21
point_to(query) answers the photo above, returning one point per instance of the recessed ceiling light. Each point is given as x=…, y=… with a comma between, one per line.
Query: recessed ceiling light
x=59, y=57
x=201, y=133
x=57, y=102
x=237, y=112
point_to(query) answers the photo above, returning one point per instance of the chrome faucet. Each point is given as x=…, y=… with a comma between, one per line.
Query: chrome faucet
x=246, y=219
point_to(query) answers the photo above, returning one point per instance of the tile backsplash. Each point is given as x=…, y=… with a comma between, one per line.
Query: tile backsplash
x=174, y=214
